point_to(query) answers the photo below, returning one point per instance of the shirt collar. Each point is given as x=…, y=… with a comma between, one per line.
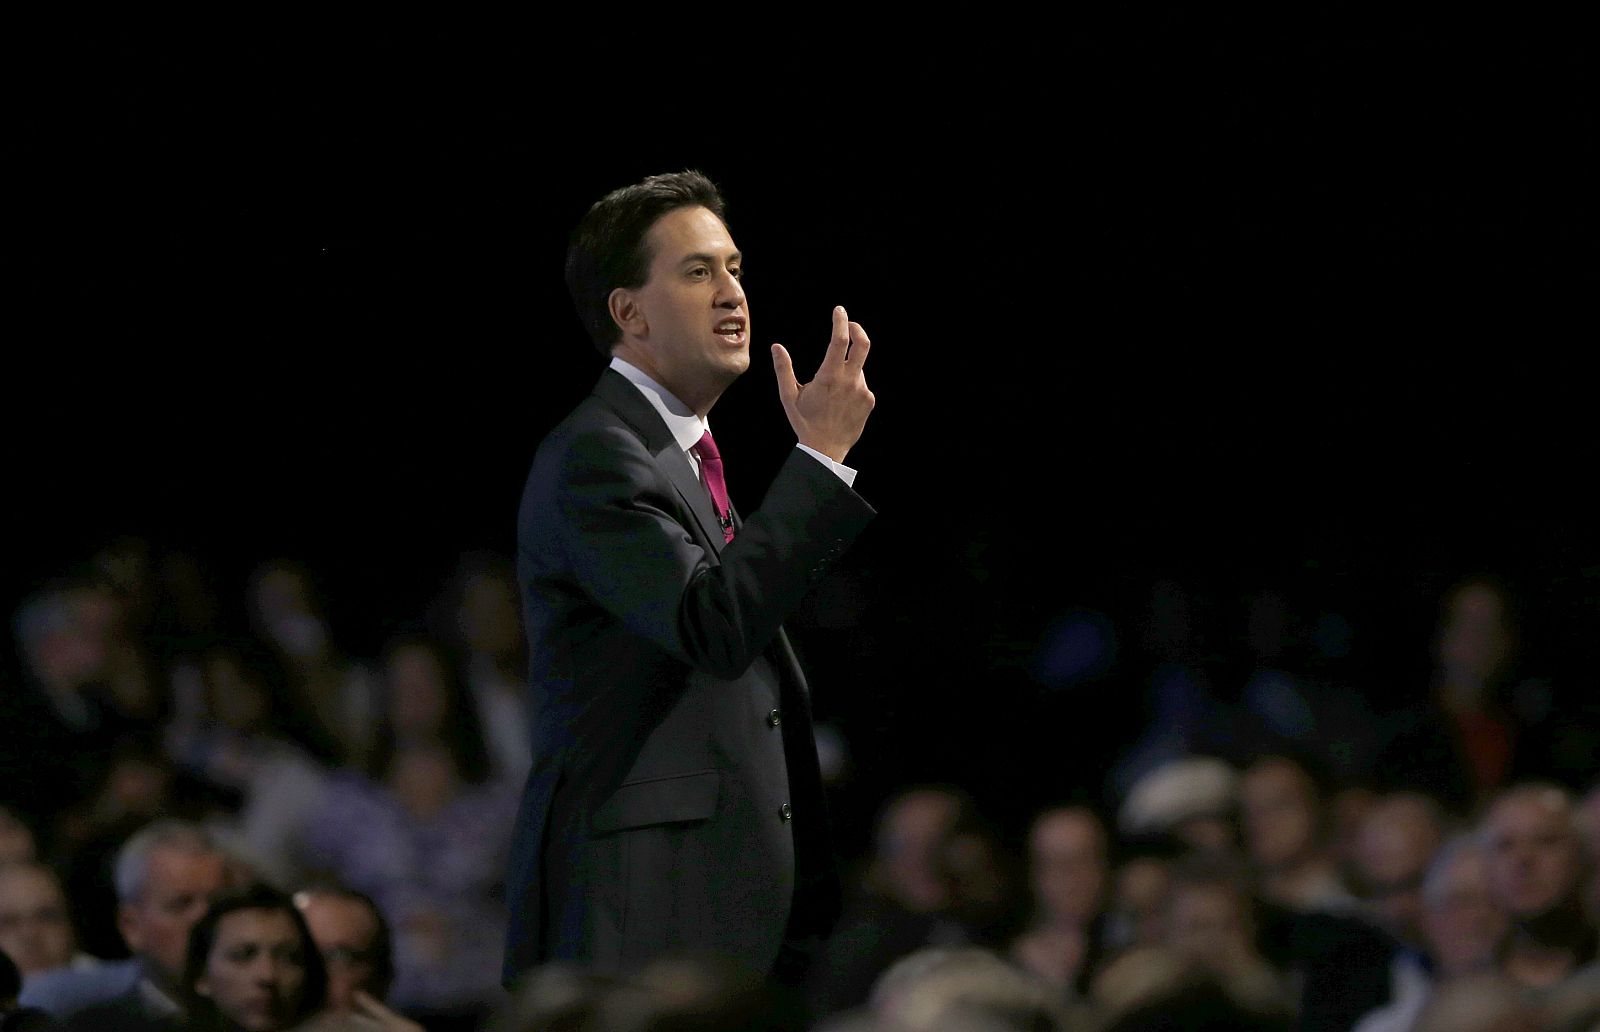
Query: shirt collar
x=683, y=423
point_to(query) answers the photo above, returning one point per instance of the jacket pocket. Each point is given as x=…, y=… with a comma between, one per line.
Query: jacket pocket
x=665, y=800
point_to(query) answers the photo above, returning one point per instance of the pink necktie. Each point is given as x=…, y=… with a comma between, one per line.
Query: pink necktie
x=711, y=473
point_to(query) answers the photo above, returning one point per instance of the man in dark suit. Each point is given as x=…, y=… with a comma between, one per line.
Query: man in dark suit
x=674, y=803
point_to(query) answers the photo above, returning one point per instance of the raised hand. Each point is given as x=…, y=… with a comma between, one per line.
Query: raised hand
x=829, y=413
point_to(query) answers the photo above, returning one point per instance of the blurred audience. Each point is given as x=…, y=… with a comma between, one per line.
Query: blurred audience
x=488, y=628
x=435, y=830
x=166, y=875
x=332, y=706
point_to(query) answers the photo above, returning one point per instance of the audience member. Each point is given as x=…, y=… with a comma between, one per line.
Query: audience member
x=250, y=966
x=1536, y=876
x=1285, y=836
x=333, y=708
x=166, y=876
x=1210, y=926
x=1393, y=849
x=488, y=626
x=1068, y=875
x=1461, y=928
x=1138, y=915
x=35, y=927
x=904, y=899
x=358, y=951
x=1192, y=801
x=435, y=831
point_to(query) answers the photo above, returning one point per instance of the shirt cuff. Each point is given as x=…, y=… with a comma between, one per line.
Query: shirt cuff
x=840, y=470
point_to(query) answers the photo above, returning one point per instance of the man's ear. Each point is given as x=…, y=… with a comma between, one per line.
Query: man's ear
x=626, y=313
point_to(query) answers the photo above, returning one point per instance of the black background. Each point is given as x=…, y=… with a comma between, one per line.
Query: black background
x=1312, y=313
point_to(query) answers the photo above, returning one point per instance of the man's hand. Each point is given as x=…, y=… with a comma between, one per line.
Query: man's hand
x=829, y=413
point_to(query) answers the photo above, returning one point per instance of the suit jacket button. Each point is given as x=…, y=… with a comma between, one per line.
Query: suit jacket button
x=774, y=719
x=785, y=811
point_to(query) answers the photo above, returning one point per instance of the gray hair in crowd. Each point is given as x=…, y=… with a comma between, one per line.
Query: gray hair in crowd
x=133, y=860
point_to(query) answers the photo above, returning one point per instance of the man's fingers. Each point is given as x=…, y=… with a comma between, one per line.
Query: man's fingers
x=839, y=343
x=783, y=368
x=859, y=345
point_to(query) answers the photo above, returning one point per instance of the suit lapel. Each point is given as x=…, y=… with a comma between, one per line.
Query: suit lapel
x=638, y=413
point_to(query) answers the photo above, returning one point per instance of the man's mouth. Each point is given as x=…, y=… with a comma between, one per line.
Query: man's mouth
x=731, y=330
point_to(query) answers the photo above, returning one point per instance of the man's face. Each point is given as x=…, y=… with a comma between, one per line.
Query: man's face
x=179, y=885
x=1461, y=923
x=1393, y=849
x=694, y=320
x=1534, y=863
x=256, y=970
x=345, y=932
x=34, y=929
x=1280, y=819
x=1068, y=865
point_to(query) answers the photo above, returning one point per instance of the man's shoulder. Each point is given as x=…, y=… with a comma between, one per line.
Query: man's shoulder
x=63, y=991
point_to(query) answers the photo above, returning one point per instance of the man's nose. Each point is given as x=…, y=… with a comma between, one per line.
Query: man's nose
x=731, y=294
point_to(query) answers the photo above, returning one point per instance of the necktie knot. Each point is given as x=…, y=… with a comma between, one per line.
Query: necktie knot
x=711, y=473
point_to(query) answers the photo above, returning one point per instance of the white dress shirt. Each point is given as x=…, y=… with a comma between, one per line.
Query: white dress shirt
x=688, y=427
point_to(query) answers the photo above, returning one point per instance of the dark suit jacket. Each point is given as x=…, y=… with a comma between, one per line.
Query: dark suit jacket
x=674, y=801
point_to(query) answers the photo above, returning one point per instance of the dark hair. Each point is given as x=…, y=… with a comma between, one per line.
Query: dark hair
x=313, y=991
x=382, y=948
x=462, y=732
x=608, y=248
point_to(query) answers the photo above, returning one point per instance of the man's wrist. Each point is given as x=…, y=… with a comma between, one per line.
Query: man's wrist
x=840, y=470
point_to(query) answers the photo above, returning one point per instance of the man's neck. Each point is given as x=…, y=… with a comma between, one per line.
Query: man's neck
x=699, y=403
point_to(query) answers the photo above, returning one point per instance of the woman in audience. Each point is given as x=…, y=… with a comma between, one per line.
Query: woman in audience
x=252, y=966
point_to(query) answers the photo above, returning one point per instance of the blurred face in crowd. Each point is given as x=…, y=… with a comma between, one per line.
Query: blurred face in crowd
x=346, y=933
x=490, y=619
x=35, y=931
x=909, y=841
x=1209, y=925
x=1534, y=858
x=1396, y=843
x=179, y=885
x=417, y=697
x=16, y=840
x=1460, y=922
x=1475, y=640
x=1280, y=813
x=1067, y=865
x=1142, y=888
x=256, y=970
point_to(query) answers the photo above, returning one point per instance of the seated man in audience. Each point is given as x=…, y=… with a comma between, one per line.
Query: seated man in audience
x=354, y=941
x=165, y=877
x=1284, y=833
x=1210, y=925
x=1536, y=875
x=1395, y=844
x=35, y=929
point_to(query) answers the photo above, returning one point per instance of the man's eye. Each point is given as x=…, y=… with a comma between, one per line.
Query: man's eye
x=698, y=272
x=736, y=272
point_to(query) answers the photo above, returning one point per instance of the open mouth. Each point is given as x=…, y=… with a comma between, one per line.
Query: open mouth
x=732, y=331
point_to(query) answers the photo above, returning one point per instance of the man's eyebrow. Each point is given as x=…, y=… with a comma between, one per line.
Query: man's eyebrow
x=709, y=259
